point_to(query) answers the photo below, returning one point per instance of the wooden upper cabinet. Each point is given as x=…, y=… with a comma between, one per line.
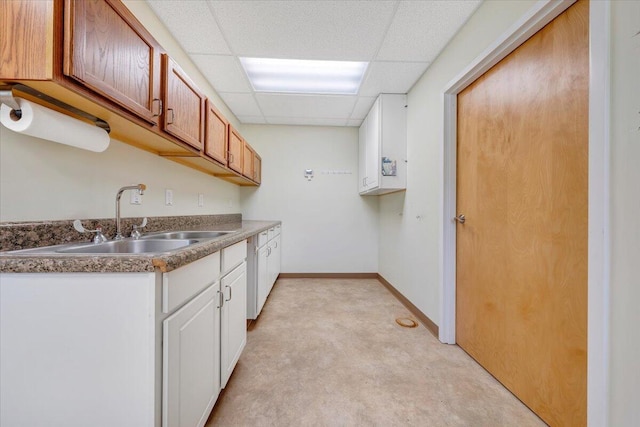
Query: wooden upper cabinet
x=247, y=161
x=26, y=34
x=108, y=51
x=216, y=137
x=257, y=168
x=236, y=149
x=183, y=105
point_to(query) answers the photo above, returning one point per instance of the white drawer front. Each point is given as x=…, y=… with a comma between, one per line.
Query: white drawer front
x=233, y=256
x=277, y=232
x=272, y=233
x=183, y=283
x=263, y=237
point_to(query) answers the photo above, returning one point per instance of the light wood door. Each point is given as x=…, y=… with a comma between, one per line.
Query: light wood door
x=108, y=51
x=215, y=142
x=191, y=358
x=236, y=149
x=183, y=105
x=522, y=251
x=233, y=320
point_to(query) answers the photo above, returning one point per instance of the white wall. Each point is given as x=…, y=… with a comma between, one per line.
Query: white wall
x=326, y=226
x=41, y=180
x=625, y=211
x=411, y=222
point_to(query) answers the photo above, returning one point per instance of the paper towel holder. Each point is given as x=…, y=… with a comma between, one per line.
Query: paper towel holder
x=6, y=97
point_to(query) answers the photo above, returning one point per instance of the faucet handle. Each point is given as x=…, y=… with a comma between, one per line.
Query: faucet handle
x=98, y=238
x=135, y=233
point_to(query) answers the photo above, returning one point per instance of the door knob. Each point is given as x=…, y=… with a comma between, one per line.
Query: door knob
x=460, y=218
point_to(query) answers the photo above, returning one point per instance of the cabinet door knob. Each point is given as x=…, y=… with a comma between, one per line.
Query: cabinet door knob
x=170, y=122
x=221, y=298
x=230, y=292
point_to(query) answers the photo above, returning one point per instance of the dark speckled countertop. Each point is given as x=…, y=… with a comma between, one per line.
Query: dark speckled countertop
x=28, y=235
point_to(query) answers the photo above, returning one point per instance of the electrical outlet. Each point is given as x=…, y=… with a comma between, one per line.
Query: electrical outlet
x=135, y=197
x=168, y=197
x=200, y=200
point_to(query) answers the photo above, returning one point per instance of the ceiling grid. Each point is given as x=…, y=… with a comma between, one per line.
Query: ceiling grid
x=399, y=39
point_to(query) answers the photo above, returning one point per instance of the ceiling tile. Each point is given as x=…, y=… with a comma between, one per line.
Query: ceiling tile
x=242, y=104
x=363, y=105
x=309, y=106
x=192, y=24
x=391, y=77
x=421, y=29
x=223, y=72
x=335, y=30
x=305, y=121
x=252, y=119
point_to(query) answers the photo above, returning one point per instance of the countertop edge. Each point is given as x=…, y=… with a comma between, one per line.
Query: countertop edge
x=65, y=263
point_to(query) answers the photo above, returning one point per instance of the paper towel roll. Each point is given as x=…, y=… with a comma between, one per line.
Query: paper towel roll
x=42, y=122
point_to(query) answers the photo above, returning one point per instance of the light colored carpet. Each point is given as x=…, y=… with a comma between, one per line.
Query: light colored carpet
x=328, y=352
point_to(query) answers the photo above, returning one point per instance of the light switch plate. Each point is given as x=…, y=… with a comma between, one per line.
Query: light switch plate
x=168, y=197
x=200, y=200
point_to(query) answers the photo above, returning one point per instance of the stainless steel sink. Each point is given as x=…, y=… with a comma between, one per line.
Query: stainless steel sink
x=186, y=235
x=129, y=246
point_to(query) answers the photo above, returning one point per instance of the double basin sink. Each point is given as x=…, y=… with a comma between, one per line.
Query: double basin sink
x=147, y=244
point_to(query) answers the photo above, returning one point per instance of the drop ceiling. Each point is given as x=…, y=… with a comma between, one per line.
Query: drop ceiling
x=399, y=39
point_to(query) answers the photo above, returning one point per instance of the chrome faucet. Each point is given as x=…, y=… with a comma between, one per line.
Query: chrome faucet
x=140, y=188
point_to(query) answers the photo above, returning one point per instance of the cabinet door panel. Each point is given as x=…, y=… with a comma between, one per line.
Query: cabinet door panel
x=274, y=261
x=257, y=168
x=234, y=320
x=362, y=156
x=191, y=361
x=215, y=145
x=247, y=161
x=108, y=51
x=263, y=277
x=373, y=162
x=183, y=105
x=235, y=150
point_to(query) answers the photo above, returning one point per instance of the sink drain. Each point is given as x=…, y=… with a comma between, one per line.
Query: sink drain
x=405, y=322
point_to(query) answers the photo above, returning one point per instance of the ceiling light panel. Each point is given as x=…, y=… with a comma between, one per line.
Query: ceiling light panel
x=304, y=76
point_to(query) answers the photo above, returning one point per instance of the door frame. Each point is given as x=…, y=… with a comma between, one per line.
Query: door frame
x=536, y=18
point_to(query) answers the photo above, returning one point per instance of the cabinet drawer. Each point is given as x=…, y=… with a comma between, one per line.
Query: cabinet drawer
x=272, y=233
x=263, y=237
x=277, y=232
x=183, y=283
x=233, y=255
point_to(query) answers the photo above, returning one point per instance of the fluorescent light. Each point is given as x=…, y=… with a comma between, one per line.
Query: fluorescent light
x=304, y=76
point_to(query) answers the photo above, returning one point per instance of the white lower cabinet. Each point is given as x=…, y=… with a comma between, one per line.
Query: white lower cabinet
x=263, y=269
x=121, y=349
x=262, y=278
x=273, y=263
x=233, y=320
x=191, y=358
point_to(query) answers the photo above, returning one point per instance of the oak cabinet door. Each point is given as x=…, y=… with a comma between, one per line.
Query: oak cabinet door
x=247, y=161
x=236, y=149
x=215, y=141
x=183, y=105
x=108, y=51
x=257, y=168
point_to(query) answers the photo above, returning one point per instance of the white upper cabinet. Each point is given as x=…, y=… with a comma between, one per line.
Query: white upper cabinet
x=383, y=146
